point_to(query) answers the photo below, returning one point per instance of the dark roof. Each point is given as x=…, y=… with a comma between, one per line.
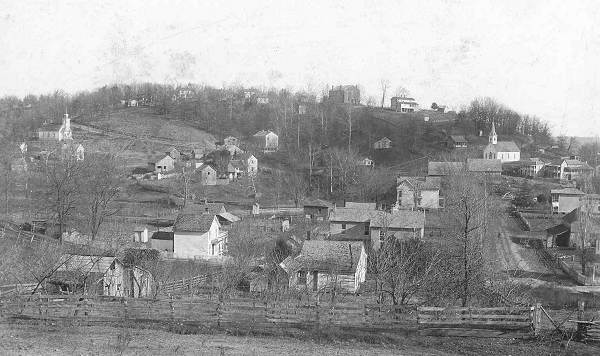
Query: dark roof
x=262, y=133
x=163, y=235
x=186, y=222
x=141, y=170
x=504, y=146
x=567, y=191
x=444, y=168
x=458, y=138
x=422, y=183
x=402, y=219
x=351, y=214
x=484, y=165
x=334, y=256
x=50, y=127
x=203, y=208
x=318, y=202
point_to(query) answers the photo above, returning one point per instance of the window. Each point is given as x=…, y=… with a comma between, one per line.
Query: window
x=343, y=226
x=302, y=277
x=366, y=229
x=381, y=235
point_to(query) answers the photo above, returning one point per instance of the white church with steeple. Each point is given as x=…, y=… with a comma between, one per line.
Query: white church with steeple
x=55, y=132
x=505, y=151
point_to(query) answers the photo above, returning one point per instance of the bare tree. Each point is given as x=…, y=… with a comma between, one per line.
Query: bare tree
x=466, y=203
x=62, y=174
x=99, y=187
x=405, y=268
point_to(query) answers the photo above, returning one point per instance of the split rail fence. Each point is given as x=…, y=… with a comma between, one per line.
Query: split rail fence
x=252, y=315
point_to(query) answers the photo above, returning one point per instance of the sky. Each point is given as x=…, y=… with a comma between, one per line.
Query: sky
x=537, y=57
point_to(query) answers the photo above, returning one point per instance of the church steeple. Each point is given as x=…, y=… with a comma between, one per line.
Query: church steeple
x=493, y=138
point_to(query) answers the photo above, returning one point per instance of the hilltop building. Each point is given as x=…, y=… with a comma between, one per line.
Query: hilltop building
x=404, y=104
x=505, y=151
x=345, y=94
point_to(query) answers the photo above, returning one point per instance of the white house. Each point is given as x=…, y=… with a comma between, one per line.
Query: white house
x=383, y=144
x=56, y=132
x=267, y=140
x=566, y=200
x=165, y=164
x=198, y=236
x=505, y=151
x=366, y=162
x=403, y=104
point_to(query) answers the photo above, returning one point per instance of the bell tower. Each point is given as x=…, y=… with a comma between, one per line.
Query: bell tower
x=493, y=138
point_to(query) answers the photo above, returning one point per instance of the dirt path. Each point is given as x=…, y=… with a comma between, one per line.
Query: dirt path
x=517, y=254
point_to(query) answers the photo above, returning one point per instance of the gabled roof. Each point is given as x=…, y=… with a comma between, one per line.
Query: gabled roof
x=85, y=264
x=318, y=203
x=193, y=222
x=577, y=163
x=503, y=146
x=458, y=138
x=205, y=166
x=402, y=219
x=50, y=127
x=163, y=235
x=567, y=191
x=484, y=165
x=422, y=183
x=444, y=168
x=228, y=216
x=263, y=133
x=384, y=139
x=327, y=256
x=203, y=208
x=355, y=205
x=351, y=214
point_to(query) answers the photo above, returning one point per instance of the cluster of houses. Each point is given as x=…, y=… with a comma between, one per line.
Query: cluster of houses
x=213, y=168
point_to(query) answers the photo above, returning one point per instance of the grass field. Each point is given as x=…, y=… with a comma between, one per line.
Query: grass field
x=142, y=122
x=32, y=339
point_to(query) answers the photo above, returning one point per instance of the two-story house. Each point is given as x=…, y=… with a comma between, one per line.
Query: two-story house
x=267, y=140
x=418, y=192
x=197, y=235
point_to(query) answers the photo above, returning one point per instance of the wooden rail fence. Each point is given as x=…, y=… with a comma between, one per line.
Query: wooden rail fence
x=475, y=321
x=239, y=314
x=252, y=315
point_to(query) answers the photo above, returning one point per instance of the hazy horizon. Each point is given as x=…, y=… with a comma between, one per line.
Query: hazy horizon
x=537, y=58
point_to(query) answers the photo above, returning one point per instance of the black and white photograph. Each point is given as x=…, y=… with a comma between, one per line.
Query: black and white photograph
x=310, y=177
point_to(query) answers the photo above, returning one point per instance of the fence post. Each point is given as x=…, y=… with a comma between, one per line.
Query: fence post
x=580, y=309
x=537, y=318
x=172, y=309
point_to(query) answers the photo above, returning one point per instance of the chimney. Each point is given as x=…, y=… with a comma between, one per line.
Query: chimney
x=350, y=249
